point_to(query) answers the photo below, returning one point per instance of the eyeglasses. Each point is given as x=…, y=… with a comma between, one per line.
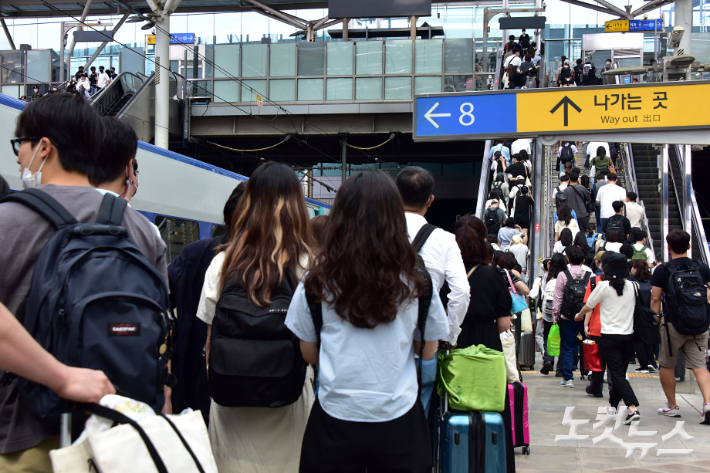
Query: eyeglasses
x=16, y=142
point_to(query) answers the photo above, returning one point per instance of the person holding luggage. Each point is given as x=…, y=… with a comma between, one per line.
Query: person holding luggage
x=490, y=315
x=367, y=416
x=617, y=299
x=681, y=283
x=558, y=263
x=269, y=248
x=644, y=352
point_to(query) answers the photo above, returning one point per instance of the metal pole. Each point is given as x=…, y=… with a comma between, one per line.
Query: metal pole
x=684, y=18
x=100, y=49
x=7, y=33
x=664, y=202
x=61, y=54
x=162, y=81
x=344, y=157
x=413, y=27
x=84, y=13
x=345, y=28
x=688, y=193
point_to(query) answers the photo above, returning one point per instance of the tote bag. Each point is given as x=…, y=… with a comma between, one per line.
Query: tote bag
x=519, y=303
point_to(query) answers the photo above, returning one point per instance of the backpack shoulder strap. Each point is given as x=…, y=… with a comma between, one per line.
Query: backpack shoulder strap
x=422, y=236
x=423, y=313
x=43, y=204
x=111, y=210
x=316, y=309
x=568, y=274
x=587, y=275
x=592, y=283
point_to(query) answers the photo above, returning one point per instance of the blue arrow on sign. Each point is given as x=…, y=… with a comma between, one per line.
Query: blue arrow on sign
x=467, y=115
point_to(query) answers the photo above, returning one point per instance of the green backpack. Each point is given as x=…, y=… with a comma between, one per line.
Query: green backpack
x=474, y=378
x=640, y=254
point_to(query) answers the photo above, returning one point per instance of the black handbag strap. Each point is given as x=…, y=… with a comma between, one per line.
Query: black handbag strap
x=111, y=210
x=184, y=442
x=43, y=204
x=316, y=309
x=116, y=416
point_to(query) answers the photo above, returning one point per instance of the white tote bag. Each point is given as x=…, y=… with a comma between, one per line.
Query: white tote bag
x=122, y=450
x=507, y=339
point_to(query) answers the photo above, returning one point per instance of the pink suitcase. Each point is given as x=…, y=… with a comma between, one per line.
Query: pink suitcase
x=518, y=395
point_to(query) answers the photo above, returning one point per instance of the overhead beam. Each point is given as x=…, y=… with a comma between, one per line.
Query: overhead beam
x=590, y=6
x=270, y=16
x=617, y=10
x=84, y=14
x=7, y=33
x=328, y=24
x=286, y=18
x=153, y=6
x=105, y=43
x=320, y=23
x=650, y=6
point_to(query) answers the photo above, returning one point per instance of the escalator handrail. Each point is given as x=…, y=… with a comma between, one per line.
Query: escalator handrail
x=483, y=183
x=136, y=95
x=697, y=222
x=122, y=79
x=630, y=176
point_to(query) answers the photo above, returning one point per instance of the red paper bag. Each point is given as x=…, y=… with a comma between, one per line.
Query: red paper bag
x=592, y=360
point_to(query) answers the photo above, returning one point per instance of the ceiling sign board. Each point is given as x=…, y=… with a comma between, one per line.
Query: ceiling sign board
x=175, y=38
x=520, y=22
x=378, y=8
x=560, y=111
x=632, y=26
x=93, y=36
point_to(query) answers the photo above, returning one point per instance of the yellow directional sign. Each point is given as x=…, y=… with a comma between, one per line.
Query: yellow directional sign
x=616, y=26
x=630, y=107
x=150, y=39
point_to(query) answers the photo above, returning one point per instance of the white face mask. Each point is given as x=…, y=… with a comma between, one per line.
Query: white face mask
x=29, y=180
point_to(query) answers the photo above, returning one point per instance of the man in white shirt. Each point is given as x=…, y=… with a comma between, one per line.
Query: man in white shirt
x=634, y=212
x=523, y=143
x=564, y=182
x=442, y=258
x=606, y=196
x=83, y=86
x=104, y=79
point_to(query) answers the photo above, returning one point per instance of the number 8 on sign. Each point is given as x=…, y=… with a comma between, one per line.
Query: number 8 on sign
x=466, y=118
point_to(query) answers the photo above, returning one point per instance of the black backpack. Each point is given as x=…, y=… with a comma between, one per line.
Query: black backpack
x=575, y=289
x=255, y=360
x=97, y=303
x=496, y=190
x=490, y=218
x=686, y=305
x=566, y=154
x=646, y=328
x=616, y=225
x=559, y=196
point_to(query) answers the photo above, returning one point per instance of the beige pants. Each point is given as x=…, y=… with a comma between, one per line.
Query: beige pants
x=32, y=460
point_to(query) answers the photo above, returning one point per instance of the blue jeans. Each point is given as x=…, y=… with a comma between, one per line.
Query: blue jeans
x=428, y=380
x=597, y=210
x=605, y=222
x=570, y=330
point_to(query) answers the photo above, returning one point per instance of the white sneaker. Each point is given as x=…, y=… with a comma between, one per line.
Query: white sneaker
x=706, y=413
x=569, y=384
x=641, y=370
x=627, y=376
x=667, y=411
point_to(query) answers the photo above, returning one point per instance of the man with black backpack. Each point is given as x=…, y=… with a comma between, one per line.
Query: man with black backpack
x=566, y=154
x=579, y=198
x=570, y=289
x=494, y=218
x=442, y=258
x=55, y=167
x=618, y=223
x=682, y=285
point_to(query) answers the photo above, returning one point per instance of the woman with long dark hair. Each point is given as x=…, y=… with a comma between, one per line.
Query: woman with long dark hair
x=642, y=276
x=566, y=239
x=367, y=281
x=565, y=220
x=558, y=263
x=617, y=300
x=271, y=239
x=490, y=315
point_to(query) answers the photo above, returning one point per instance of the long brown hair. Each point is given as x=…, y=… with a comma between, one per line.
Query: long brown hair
x=270, y=233
x=471, y=235
x=366, y=268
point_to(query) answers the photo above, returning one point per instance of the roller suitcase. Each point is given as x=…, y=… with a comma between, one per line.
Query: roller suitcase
x=471, y=442
x=518, y=398
x=526, y=351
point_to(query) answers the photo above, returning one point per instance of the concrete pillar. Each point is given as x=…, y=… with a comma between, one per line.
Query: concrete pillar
x=345, y=28
x=684, y=18
x=413, y=27
x=162, y=81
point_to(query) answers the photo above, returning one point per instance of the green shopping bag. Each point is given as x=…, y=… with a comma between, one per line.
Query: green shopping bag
x=553, y=341
x=474, y=377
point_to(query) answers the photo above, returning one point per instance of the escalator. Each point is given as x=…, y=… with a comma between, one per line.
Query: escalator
x=645, y=160
x=111, y=100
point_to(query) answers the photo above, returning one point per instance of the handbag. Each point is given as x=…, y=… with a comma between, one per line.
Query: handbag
x=526, y=321
x=590, y=354
x=553, y=341
x=519, y=303
x=175, y=444
x=646, y=327
x=507, y=340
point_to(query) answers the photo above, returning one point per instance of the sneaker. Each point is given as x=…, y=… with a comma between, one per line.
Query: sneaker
x=667, y=411
x=641, y=370
x=546, y=368
x=568, y=384
x=652, y=369
x=589, y=393
x=606, y=373
x=627, y=376
x=635, y=417
x=706, y=414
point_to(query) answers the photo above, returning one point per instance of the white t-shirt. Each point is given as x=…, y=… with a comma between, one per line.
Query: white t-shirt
x=635, y=213
x=616, y=312
x=606, y=195
x=103, y=80
x=592, y=149
x=559, y=247
x=518, y=145
x=650, y=256
x=520, y=252
x=615, y=247
x=366, y=375
x=573, y=226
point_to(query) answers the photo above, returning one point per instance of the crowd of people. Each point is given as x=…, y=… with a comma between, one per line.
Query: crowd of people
x=80, y=84
x=521, y=63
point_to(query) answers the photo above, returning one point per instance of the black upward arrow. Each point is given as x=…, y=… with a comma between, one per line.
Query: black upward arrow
x=566, y=102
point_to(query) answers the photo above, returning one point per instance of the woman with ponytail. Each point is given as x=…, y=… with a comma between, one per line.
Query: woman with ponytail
x=489, y=314
x=617, y=299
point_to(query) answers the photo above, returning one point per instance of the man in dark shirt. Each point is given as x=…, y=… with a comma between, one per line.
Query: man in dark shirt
x=577, y=195
x=79, y=73
x=693, y=346
x=625, y=223
x=93, y=77
x=524, y=41
x=511, y=45
x=517, y=168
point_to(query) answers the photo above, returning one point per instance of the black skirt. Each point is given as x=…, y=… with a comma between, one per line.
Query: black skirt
x=480, y=334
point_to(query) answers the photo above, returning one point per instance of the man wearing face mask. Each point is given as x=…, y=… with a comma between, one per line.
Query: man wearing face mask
x=54, y=161
x=607, y=80
x=35, y=93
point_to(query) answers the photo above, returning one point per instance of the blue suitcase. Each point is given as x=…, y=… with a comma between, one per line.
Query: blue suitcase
x=471, y=442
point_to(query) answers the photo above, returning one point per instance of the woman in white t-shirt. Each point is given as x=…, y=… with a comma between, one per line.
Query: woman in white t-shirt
x=565, y=240
x=271, y=240
x=366, y=285
x=617, y=298
x=565, y=220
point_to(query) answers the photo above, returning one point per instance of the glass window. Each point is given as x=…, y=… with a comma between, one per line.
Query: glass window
x=38, y=67
x=310, y=89
x=258, y=86
x=311, y=59
x=227, y=27
x=254, y=60
x=11, y=90
x=340, y=58
x=458, y=55
x=282, y=60
x=459, y=22
x=428, y=56
x=458, y=83
x=282, y=90
x=398, y=56
x=427, y=85
x=368, y=88
x=201, y=88
x=398, y=88
x=225, y=91
x=369, y=57
x=227, y=57
x=340, y=89
x=12, y=67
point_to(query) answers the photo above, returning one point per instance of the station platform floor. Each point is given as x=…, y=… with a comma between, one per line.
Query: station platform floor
x=549, y=453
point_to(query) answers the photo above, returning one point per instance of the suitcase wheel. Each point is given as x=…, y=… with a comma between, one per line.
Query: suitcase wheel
x=526, y=450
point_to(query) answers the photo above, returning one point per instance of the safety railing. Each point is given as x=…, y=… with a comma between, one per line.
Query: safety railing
x=107, y=98
x=485, y=179
x=628, y=169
